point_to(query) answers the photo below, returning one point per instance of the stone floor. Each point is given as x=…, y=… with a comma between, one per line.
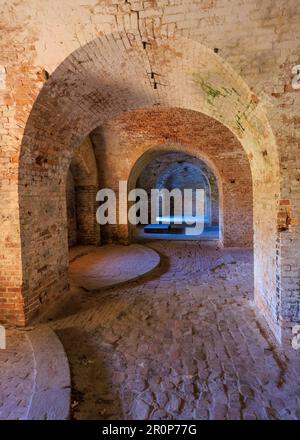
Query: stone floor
x=17, y=376
x=182, y=343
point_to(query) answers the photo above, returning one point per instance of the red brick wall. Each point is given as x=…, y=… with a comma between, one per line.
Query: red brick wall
x=71, y=210
x=82, y=187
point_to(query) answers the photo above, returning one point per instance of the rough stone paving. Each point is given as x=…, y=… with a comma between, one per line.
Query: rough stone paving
x=183, y=343
x=17, y=376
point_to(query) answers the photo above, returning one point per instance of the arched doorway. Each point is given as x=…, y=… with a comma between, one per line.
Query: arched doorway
x=176, y=170
x=194, y=78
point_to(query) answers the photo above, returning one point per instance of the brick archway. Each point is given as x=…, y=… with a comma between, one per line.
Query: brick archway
x=234, y=230
x=152, y=156
x=165, y=174
x=108, y=76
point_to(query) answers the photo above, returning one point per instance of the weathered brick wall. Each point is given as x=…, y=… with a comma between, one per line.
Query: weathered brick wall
x=81, y=197
x=88, y=231
x=169, y=53
x=134, y=134
x=71, y=210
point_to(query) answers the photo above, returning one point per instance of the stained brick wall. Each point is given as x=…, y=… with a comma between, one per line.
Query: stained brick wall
x=81, y=190
x=71, y=210
x=229, y=60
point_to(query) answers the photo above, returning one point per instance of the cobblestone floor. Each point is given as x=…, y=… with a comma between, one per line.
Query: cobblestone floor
x=184, y=343
x=17, y=375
